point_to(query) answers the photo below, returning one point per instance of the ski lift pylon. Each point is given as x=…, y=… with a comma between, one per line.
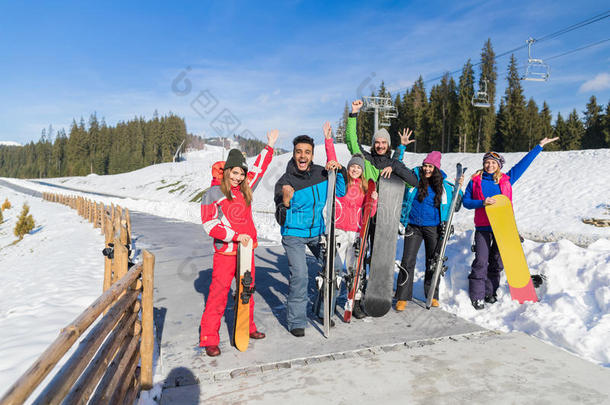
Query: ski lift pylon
x=481, y=99
x=536, y=70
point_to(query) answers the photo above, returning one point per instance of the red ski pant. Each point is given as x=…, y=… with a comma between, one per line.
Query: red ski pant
x=223, y=273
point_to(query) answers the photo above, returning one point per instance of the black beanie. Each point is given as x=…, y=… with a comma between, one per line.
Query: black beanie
x=236, y=159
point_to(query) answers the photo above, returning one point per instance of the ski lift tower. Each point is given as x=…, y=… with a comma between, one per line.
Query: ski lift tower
x=536, y=69
x=383, y=105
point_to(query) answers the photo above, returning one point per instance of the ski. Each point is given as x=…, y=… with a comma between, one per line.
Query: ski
x=243, y=292
x=439, y=259
x=354, y=284
x=329, y=268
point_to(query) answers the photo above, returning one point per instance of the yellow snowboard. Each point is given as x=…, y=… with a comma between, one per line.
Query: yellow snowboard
x=502, y=220
x=243, y=294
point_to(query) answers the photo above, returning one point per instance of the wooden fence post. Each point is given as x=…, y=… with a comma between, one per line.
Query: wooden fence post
x=146, y=349
x=107, y=261
x=120, y=260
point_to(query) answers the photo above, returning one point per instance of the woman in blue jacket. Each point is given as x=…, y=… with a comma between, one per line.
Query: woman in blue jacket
x=424, y=208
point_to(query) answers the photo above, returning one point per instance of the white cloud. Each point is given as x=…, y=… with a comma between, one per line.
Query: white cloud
x=598, y=83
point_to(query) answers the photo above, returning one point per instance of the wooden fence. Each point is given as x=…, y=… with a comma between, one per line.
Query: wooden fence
x=113, y=362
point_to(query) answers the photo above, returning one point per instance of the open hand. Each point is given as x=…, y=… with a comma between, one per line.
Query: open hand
x=328, y=130
x=356, y=106
x=547, y=140
x=272, y=137
x=489, y=201
x=405, y=136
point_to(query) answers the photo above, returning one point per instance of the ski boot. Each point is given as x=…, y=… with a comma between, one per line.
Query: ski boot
x=478, y=304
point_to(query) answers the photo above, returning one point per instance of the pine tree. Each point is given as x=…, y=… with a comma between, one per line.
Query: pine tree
x=466, y=113
x=513, y=130
x=420, y=107
x=342, y=125
x=1, y=217
x=486, y=117
x=545, y=119
x=606, y=125
x=532, y=123
x=594, y=137
x=396, y=124
x=6, y=205
x=25, y=223
x=497, y=141
x=560, y=130
x=575, y=130
x=364, y=126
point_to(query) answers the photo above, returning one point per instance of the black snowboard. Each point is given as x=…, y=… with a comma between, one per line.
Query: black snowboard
x=378, y=295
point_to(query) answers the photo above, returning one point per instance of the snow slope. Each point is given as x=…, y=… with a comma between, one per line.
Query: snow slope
x=550, y=199
x=47, y=279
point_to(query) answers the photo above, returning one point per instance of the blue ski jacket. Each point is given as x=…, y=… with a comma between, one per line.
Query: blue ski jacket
x=490, y=188
x=424, y=213
x=304, y=217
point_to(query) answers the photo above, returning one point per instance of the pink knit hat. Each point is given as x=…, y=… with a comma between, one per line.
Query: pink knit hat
x=434, y=159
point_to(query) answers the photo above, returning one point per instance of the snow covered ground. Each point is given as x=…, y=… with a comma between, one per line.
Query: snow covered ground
x=47, y=279
x=551, y=199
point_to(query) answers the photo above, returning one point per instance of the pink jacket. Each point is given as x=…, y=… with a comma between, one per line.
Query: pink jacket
x=350, y=207
x=480, y=216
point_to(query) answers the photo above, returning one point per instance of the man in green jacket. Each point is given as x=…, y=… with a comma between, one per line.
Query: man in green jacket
x=378, y=161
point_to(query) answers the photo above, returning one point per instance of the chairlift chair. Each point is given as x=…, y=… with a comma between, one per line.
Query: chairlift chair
x=384, y=122
x=481, y=99
x=536, y=70
x=391, y=112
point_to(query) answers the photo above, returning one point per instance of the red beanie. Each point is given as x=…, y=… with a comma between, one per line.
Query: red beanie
x=434, y=159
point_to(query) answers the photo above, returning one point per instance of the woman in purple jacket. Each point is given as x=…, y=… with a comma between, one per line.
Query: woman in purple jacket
x=484, y=278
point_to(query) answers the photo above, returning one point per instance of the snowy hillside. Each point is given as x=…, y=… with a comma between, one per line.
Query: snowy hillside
x=9, y=143
x=550, y=200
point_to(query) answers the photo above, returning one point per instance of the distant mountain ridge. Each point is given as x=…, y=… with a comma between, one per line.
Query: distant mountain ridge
x=10, y=143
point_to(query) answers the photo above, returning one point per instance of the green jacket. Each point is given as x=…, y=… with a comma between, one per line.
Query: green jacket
x=351, y=139
x=374, y=163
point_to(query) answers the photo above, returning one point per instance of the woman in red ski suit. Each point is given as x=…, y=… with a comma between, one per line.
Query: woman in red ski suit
x=226, y=213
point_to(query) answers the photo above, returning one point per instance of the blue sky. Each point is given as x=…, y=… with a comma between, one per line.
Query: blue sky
x=288, y=65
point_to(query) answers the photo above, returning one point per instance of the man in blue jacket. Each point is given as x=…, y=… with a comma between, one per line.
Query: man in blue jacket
x=300, y=196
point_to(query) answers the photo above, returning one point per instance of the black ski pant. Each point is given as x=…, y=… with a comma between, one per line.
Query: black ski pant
x=414, y=235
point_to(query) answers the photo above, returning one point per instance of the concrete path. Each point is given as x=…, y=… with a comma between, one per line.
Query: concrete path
x=485, y=368
x=417, y=356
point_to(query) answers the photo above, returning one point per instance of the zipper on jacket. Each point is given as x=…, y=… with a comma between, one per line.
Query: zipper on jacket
x=313, y=217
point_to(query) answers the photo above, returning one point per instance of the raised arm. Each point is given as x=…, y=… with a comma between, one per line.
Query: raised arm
x=351, y=138
x=405, y=139
x=263, y=159
x=329, y=144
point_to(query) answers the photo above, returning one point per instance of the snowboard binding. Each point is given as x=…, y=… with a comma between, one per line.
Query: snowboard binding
x=248, y=288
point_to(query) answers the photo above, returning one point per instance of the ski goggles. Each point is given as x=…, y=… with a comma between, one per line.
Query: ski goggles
x=494, y=156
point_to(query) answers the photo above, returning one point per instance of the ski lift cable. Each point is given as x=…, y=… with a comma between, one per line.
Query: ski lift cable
x=573, y=27
x=578, y=49
x=555, y=34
